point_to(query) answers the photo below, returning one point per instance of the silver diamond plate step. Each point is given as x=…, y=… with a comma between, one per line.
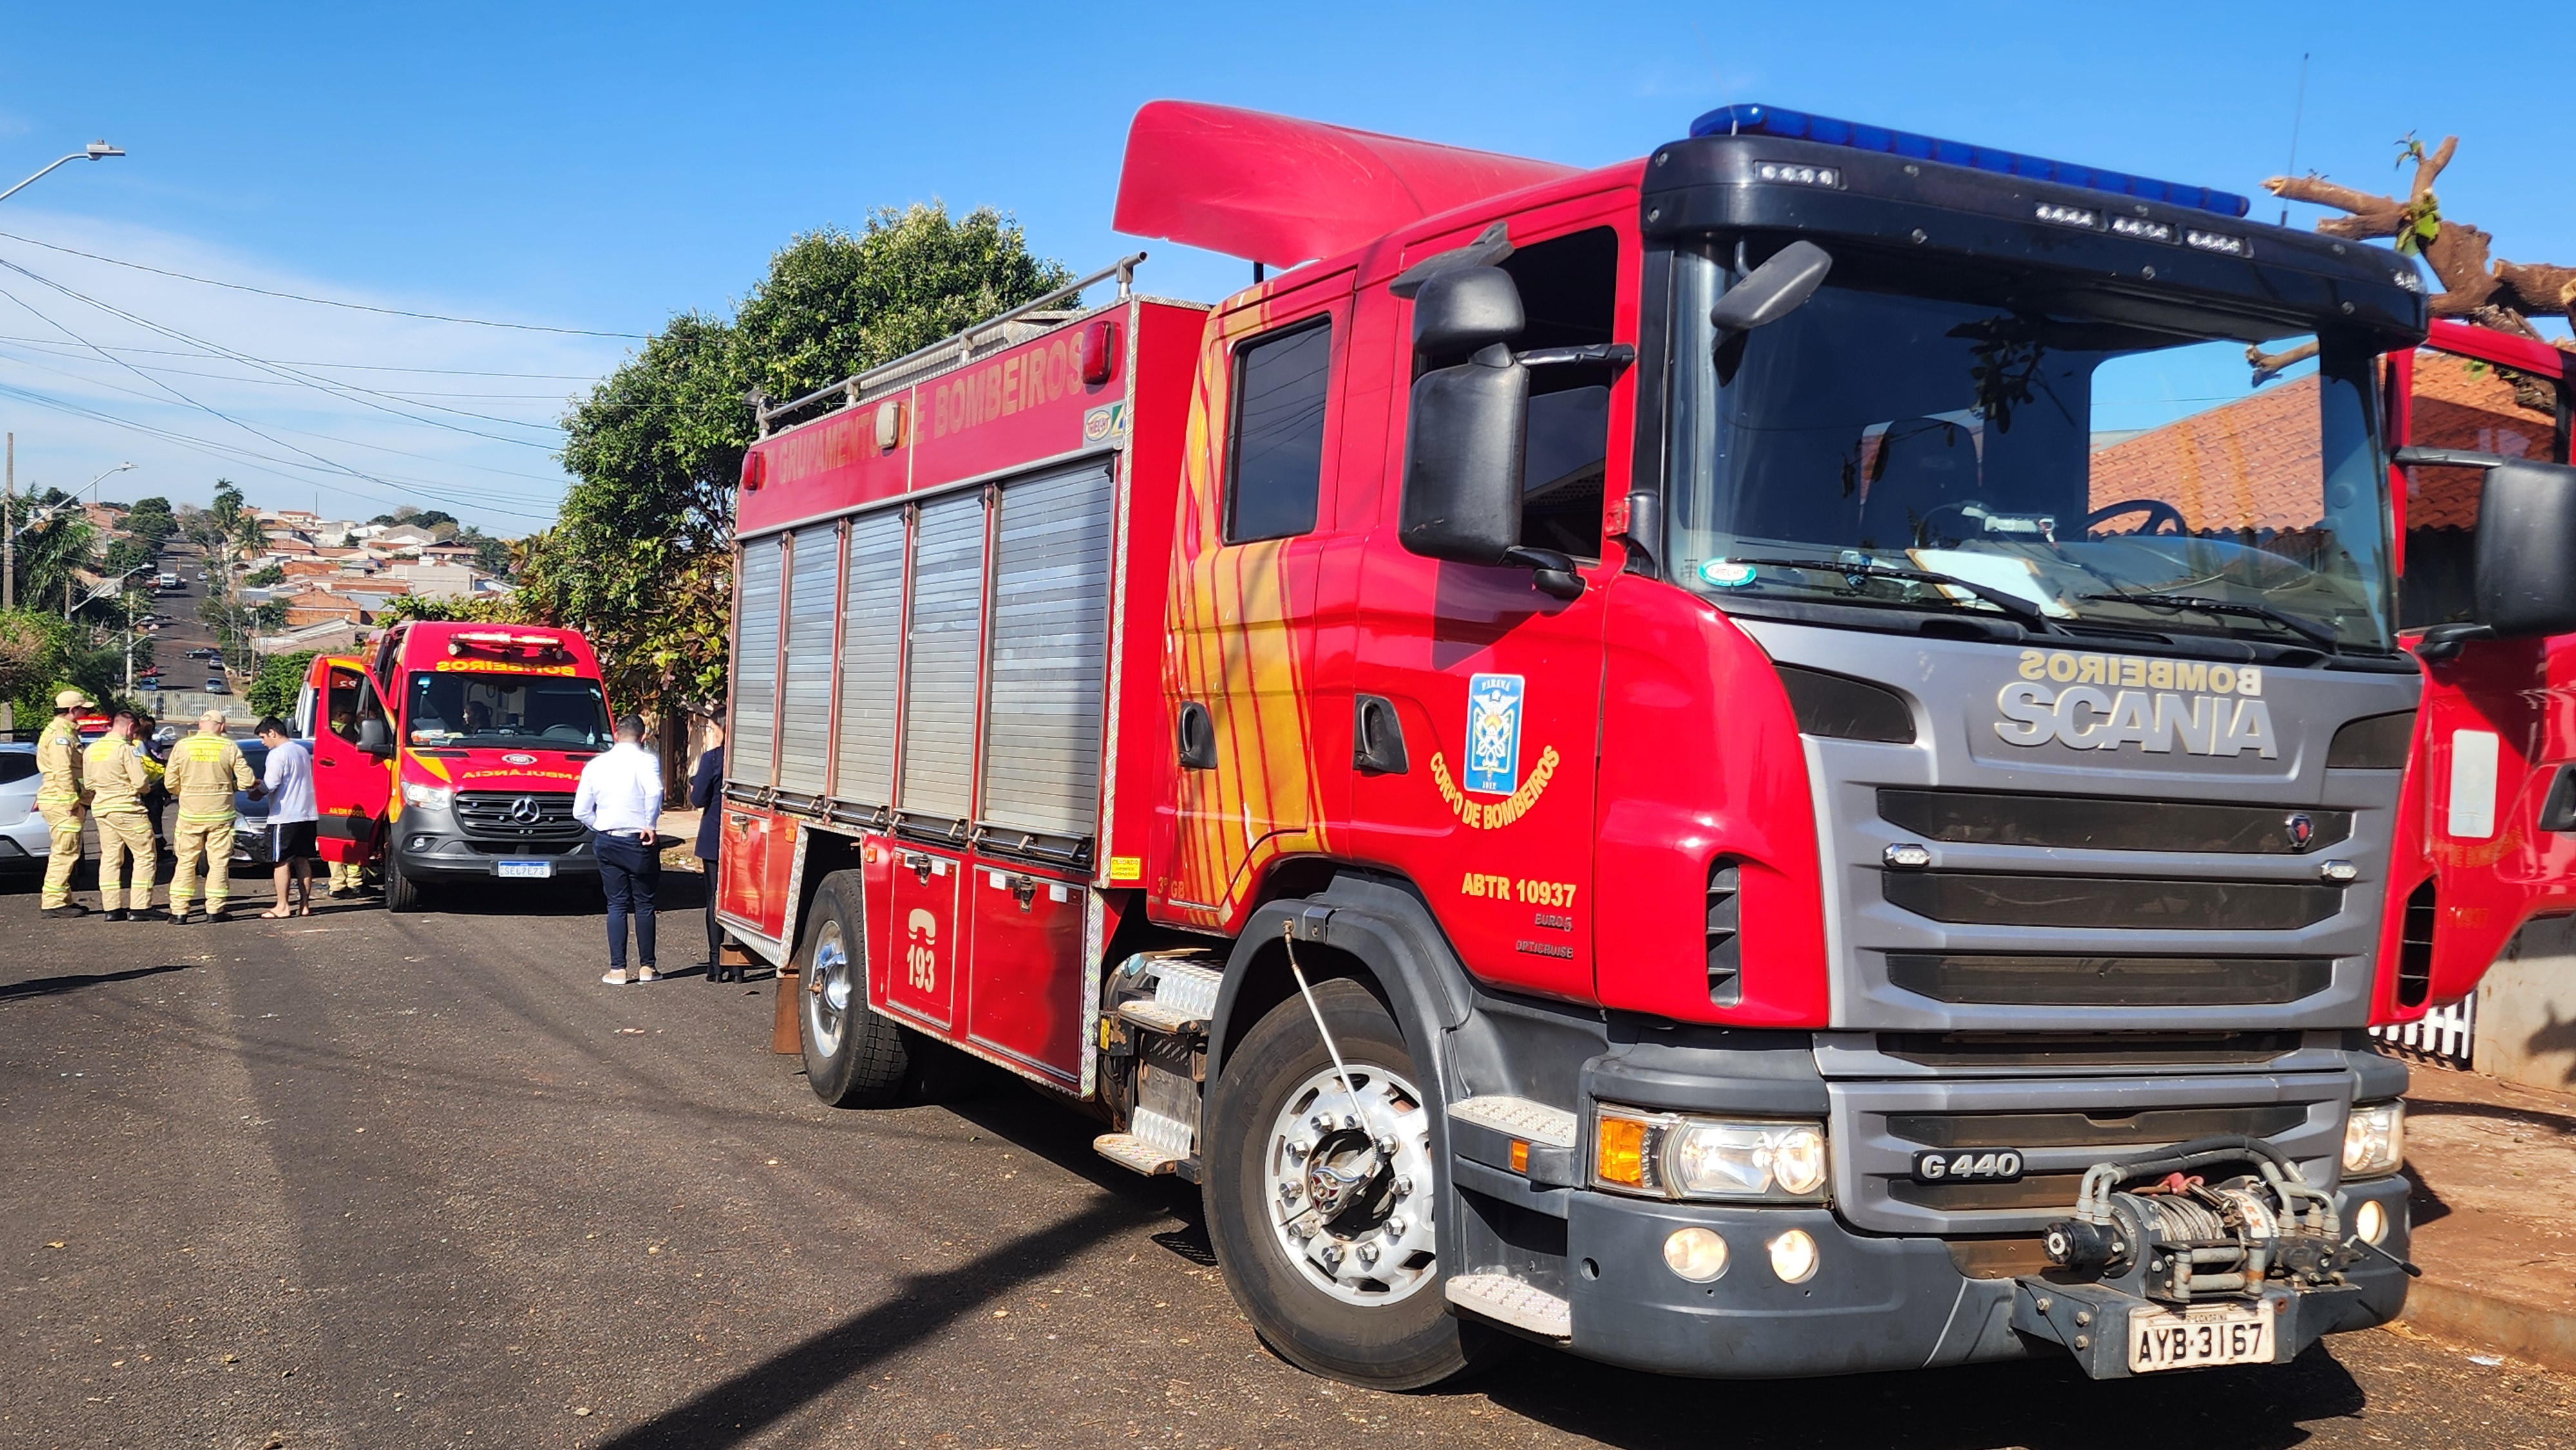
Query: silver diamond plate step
x=1183, y=1001
x=1519, y=1117
x=1507, y=1300
x=1131, y=1152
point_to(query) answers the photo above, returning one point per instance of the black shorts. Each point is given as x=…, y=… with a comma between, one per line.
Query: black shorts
x=294, y=840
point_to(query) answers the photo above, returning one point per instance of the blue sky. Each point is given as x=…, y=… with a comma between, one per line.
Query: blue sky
x=600, y=167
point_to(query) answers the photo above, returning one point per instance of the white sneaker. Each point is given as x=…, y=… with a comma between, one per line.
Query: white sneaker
x=616, y=978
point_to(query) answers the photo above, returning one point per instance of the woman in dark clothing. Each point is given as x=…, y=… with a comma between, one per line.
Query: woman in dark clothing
x=706, y=792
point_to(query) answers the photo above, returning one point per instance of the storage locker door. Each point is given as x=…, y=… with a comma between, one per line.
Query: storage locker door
x=946, y=649
x=871, y=649
x=751, y=745
x=1049, y=652
x=805, y=726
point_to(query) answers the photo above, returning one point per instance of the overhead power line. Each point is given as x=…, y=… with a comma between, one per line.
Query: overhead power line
x=295, y=363
x=322, y=301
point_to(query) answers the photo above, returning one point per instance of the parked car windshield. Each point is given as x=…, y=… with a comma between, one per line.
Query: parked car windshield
x=529, y=711
x=2083, y=455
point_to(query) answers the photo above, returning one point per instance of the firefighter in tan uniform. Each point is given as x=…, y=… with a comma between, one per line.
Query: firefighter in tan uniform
x=203, y=772
x=59, y=800
x=114, y=770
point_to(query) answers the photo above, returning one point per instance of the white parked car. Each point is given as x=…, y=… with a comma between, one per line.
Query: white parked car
x=25, y=839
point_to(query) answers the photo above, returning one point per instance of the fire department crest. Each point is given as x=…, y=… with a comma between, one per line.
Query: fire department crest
x=1493, y=734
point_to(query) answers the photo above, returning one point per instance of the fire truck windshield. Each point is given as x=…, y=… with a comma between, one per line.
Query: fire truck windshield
x=478, y=709
x=1947, y=442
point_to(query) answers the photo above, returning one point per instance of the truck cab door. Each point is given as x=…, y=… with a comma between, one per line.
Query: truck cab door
x=350, y=787
x=1492, y=687
x=2497, y=744
x=1256, y=691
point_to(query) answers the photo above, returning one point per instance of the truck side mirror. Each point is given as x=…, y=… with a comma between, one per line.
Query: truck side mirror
x=1773, y=290
x=375, y=737
x=2526, y=550
x=1468, y=431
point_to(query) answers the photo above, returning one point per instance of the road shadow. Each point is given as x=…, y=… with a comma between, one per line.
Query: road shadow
x=2044, y=1404
x=2528, y=1117
x=744, y=1406
x=54, y=986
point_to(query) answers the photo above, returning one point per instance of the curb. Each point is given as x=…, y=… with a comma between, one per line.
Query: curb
x=2524, y=1331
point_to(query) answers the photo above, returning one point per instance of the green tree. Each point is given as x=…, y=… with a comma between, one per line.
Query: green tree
x=274, y=574
x=32, y=658
x=640, y=555
x=273, y=690
x=250, y=536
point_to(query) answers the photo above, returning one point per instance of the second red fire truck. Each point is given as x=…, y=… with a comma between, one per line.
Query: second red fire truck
x=1715, y=762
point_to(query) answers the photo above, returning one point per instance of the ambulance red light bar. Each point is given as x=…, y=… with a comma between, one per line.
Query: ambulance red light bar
x=1760, y=120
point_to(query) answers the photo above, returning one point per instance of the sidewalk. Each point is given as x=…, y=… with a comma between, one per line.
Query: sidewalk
x=2494, y=1214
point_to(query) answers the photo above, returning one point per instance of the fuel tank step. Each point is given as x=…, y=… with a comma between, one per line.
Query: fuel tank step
x=1519, y=1118
x=1153, y=1145
x=1507, y=1300
x=1184, y=999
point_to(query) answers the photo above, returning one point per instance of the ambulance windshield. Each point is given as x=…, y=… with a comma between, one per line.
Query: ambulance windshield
x=1915, y=439
x=505, y=710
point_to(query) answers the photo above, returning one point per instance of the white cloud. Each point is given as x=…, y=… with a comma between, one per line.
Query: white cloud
x=361, y=411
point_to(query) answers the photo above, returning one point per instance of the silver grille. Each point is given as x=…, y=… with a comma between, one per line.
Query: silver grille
x=871, y=647
x=805, y=723
x=506, y=817
x=1049, y=652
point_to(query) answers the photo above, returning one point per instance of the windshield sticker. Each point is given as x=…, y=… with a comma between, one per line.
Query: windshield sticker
x=2157, y=704
x=1727, y=573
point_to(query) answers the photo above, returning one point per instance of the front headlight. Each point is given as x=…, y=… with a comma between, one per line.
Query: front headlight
x=428, y=797
x=2374, y=1140
x=1670, y=1155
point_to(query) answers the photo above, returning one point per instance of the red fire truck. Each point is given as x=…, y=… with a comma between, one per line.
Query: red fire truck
x=2497, y=752
x=1715, y=762
x=448, y=754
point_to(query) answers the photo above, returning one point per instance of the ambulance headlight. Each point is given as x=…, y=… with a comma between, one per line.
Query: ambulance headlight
x=428, y=797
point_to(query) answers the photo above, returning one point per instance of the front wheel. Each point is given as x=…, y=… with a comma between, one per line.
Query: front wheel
x=854, y=1058
x=402, y=893
x=1321, y=1198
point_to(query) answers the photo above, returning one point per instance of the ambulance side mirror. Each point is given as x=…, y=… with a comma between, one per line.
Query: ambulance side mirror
x=375, y=737
x=1463, y=449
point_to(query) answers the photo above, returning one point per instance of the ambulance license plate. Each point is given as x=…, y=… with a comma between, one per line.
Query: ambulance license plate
x=527, y=870
x=2197, y=1338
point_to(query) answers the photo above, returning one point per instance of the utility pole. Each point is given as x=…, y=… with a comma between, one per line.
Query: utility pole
x=9, y=527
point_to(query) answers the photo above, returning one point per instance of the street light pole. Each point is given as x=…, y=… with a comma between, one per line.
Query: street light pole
x=94, y=151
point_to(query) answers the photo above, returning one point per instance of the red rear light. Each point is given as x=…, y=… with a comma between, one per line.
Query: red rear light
x=755, y=470
x=1099, y=352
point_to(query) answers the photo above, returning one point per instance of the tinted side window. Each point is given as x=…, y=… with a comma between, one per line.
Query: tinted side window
x=15, y=767
x=1569, y=290
x=1275, y=449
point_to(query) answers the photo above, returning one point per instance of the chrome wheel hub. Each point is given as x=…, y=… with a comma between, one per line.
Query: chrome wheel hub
x=829, y=988
x=1350, y=1202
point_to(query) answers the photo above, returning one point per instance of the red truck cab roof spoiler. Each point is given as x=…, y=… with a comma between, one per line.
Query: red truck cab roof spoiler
x=1278, y=190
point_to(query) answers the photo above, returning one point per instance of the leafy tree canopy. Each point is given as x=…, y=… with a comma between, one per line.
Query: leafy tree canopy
x=281, y=677
x=640, y=556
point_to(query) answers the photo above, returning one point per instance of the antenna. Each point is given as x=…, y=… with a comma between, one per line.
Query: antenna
x=2297, y=114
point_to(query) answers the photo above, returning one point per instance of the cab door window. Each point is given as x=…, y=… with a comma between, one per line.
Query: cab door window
x=1569, y=289
x=1275, y=441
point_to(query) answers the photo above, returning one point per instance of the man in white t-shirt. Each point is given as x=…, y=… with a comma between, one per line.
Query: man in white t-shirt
x=293, y=820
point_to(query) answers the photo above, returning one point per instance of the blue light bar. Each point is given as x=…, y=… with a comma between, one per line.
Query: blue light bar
x=1757, y=120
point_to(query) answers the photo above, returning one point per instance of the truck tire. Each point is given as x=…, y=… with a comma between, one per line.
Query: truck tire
x=1353, y=1295
x=854, y=1058
x=402, y=893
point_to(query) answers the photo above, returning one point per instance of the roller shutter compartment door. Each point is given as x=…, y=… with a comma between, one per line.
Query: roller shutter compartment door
x=946, y=648
x=805, y=726
x=1049, y=653
x=751, y=746
x=871, y=651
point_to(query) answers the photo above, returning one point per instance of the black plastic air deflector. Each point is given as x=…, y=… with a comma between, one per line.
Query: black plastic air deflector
x=1844, y=708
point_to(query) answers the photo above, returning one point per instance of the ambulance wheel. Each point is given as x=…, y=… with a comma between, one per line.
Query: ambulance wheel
x=854, y=1058
x=1325, y=1222
x=402, y=893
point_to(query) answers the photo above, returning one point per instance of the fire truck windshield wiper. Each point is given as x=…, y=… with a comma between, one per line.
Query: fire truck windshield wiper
x=2307, y=629
x=2016, y=606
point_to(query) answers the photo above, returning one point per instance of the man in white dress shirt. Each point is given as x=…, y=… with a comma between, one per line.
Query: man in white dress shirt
x=620, y=800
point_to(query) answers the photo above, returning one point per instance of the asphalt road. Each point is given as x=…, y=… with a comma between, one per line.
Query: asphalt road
x=363, y=1180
